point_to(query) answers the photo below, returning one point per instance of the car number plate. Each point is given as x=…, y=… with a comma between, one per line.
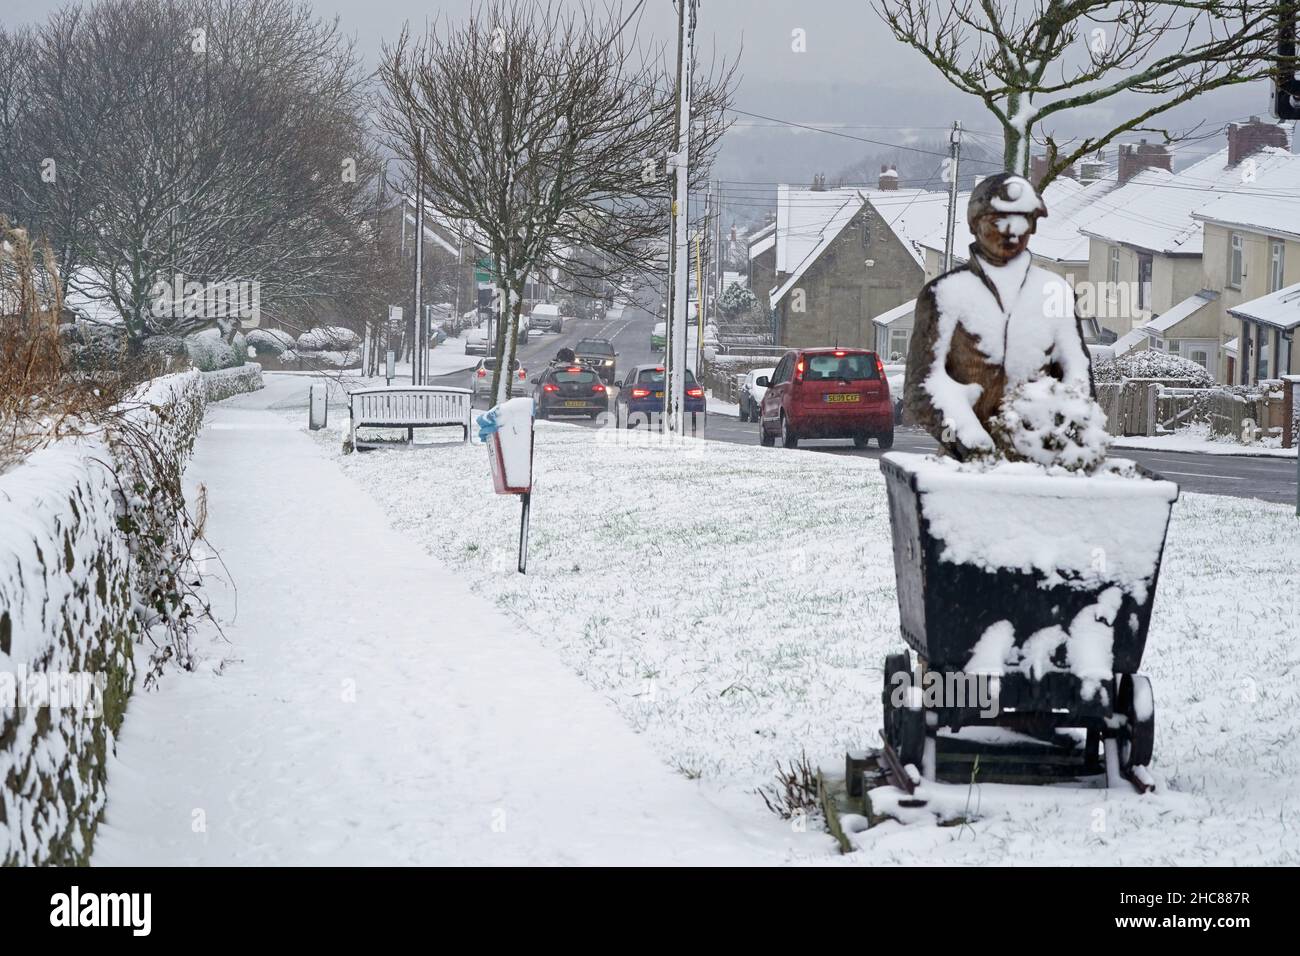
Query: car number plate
x=575, y=404
x=843, y=397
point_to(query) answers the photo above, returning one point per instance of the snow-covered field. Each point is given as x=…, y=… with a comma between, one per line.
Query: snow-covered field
x=735, y=605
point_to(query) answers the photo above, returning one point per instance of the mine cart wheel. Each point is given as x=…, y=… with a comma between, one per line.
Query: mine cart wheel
x=904, y=727
x=1139, y=739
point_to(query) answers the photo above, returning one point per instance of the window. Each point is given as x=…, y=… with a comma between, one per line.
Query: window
x=655, y=376
x=1112, y=269
x=1276, y=257
x=1235, y=266
x=852, y=367
x=1144, y=281
x=899, y=339
x=1200, y=357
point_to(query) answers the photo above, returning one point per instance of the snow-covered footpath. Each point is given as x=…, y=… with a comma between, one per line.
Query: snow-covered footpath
x=369, y=709
x=736, y=605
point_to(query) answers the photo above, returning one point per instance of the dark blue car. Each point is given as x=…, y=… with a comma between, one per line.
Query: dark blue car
x=641, y=398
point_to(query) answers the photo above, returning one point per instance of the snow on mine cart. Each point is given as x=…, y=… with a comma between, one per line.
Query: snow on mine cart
x=1027, y=600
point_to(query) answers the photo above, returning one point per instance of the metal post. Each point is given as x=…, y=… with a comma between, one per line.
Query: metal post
x=676, y=392
x=699, y=286
x=955, y=155
x=419, y=356
x=525, y=504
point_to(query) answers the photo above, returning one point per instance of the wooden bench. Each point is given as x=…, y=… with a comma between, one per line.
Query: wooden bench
x=407, y=406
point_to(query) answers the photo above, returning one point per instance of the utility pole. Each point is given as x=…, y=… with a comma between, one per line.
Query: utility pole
x=954, y=153
x=420, y=357
x=681, y=257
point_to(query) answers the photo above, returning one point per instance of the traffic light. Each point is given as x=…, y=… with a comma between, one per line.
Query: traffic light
x=1286, y=102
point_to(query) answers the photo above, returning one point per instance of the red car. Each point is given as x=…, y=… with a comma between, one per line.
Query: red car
x=827, y=393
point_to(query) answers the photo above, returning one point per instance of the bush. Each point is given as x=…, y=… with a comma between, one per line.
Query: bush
x=208, y=351
x=736, y=300
x=1151, y=364
x=327, y=339
x=270, y=341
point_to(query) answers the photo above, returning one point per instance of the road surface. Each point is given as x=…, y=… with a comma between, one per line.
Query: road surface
x=1269, y=479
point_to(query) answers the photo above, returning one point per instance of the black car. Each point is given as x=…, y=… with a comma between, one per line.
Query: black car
x=569, y=390
x=600, y=355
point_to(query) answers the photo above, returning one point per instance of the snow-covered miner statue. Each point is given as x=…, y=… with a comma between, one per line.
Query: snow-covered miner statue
x=997, y=367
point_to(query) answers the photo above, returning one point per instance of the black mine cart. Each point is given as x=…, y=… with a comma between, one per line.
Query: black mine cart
x=1026, y=599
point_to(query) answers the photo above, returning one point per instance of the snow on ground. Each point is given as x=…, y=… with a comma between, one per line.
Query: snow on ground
x=1196, y=438
x=369, y=709
x=736, y=603
x=718, y=406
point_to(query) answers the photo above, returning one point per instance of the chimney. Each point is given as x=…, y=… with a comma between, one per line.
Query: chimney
x=1093, y=168
x=888, y=177
x=1038, y=169
x=1247, y=138
x=1134, y=159
x=733, y=233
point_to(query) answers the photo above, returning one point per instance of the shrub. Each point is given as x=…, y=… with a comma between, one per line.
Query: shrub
x=270, y=341
x=327, y=339
x=209, y=352
x=1152, y=364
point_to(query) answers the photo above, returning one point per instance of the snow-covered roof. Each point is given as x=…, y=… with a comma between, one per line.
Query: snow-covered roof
x=896, y=313
x=1280, y=309
x=1183, y=310
x=1155, y=210
x=764, y=244
x=1270, y=202
x=1129, y=341
x=809, y=220
x=1070, y=205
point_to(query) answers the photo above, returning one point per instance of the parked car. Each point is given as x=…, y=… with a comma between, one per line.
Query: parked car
x=569, y=390
x=827, y=393
x=476, y=342
x=546, y=318
x=641, y=398
x=751, y=393
x=600, y=355
x=658, y=336
x=480, y=377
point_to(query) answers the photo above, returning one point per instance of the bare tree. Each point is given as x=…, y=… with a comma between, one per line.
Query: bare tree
x=546, y=134
x=1031, y=62
x=203, y=140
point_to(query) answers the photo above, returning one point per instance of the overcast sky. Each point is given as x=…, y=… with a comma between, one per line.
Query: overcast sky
x=853, y=73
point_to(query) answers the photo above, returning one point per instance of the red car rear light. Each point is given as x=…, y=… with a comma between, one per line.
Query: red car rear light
x=640, y=392
x=840, y=354
x=548, y=387
x=574, y=369
x=522, y=375
x=798, y=371
x=482, y=373
x=695, y=392
x=598, y=388
x=880, y=367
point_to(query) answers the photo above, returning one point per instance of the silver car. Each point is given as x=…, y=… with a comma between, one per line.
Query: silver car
x=480, y=376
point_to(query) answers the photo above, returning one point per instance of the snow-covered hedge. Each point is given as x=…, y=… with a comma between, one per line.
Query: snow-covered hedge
x=72, y=583
x=208, y=351
x=1152, y=364
x=327, y=339
x=226, y=382
x=270, y=341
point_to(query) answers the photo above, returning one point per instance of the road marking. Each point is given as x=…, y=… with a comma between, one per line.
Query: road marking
x=1197, y=474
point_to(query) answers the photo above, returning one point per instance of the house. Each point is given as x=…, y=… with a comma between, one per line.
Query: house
x=1146, y=254
x=762, y=264
x=894, y=331
x=846, y=255
x=1252, y=260
x=1165, y=277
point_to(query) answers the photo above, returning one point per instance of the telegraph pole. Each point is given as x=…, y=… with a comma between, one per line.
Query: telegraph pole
x=954, y=153
x=681, y=244
x=420, y=357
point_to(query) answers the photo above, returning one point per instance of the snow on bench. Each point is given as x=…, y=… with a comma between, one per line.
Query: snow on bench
x=407, y=406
